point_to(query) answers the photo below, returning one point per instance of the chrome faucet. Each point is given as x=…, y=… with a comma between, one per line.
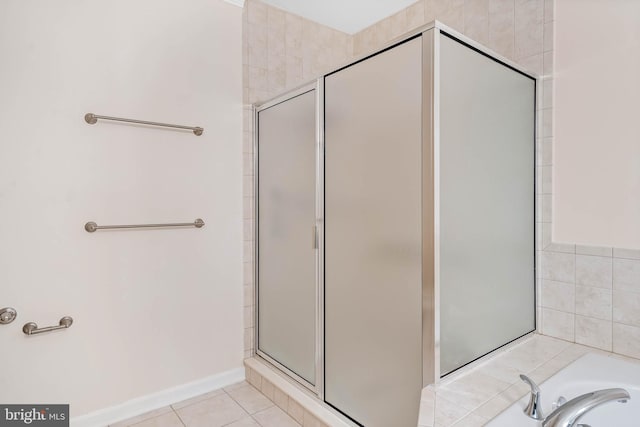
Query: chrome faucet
x=568, y=414
x=533, y=409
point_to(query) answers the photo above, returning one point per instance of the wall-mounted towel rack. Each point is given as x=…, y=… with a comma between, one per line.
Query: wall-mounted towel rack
x=92, y=226
x=92, y=119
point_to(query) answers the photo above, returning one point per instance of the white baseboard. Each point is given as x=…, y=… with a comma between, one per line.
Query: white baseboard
x=147, y=403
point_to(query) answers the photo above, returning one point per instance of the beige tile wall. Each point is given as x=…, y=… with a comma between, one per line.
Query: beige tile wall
x=586, y=295
x=591, y=295
x=512, y=28
x=280, y=51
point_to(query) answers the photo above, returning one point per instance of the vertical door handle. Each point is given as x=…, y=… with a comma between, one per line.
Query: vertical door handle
x=314, y=237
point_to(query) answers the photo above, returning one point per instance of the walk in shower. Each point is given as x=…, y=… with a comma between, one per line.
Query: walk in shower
x=395, y=235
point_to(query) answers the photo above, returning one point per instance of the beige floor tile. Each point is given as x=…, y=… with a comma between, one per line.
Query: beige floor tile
x=236, y=385
x=197, y=399
x=274, y=417
x=143, y=417
x=169, y=419
x=214, y=412
x=245, y=422
x=250, y=398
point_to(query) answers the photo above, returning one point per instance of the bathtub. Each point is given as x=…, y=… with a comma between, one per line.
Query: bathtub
x=589, y=373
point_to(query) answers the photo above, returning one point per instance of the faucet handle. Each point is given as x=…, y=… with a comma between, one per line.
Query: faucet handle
x=558, y=403
x=533, y=409
x=531, y=383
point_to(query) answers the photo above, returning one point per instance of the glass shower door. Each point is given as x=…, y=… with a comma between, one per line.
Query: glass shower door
x=286, y=256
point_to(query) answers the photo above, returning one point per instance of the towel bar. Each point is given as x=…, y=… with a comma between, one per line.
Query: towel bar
x=92, y=119
x=92, y=226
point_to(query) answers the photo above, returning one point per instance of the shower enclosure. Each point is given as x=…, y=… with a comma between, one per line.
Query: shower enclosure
x=395, y=222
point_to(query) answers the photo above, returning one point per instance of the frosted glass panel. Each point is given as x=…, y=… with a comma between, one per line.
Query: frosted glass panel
x=286, y=257
x=486, y=204
x=373, y=323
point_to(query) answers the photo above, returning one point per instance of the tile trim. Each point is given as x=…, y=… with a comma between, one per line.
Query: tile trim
x=260, y=372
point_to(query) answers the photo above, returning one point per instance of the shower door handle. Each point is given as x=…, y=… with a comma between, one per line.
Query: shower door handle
x=314, y=237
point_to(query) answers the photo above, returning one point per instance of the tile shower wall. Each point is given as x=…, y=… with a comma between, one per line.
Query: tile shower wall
x=280, y=51
x=591, y=295
x=586, y=295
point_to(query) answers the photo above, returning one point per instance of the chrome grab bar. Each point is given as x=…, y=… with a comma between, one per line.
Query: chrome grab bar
x=92, y=226
x=32, y=329
x=92, y=119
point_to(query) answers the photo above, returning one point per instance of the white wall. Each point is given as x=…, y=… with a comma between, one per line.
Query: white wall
x=596, y=163
x=152, y=309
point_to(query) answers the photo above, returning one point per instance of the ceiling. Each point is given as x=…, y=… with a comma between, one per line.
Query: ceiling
x=349, y=16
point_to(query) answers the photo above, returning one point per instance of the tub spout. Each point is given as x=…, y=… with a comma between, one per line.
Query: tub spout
x=568, y=414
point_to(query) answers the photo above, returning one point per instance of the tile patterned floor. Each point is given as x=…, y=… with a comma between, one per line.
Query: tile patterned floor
x=239, y=405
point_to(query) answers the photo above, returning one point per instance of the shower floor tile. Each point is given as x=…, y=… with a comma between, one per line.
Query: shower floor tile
x=239, y=405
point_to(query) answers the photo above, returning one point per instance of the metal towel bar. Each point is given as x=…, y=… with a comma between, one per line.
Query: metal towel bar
x=32, y=329
x=92, y=226
x=92, y=119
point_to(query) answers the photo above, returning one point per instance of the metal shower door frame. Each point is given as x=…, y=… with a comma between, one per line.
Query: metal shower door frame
x=318, y=88
x=431, y=34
